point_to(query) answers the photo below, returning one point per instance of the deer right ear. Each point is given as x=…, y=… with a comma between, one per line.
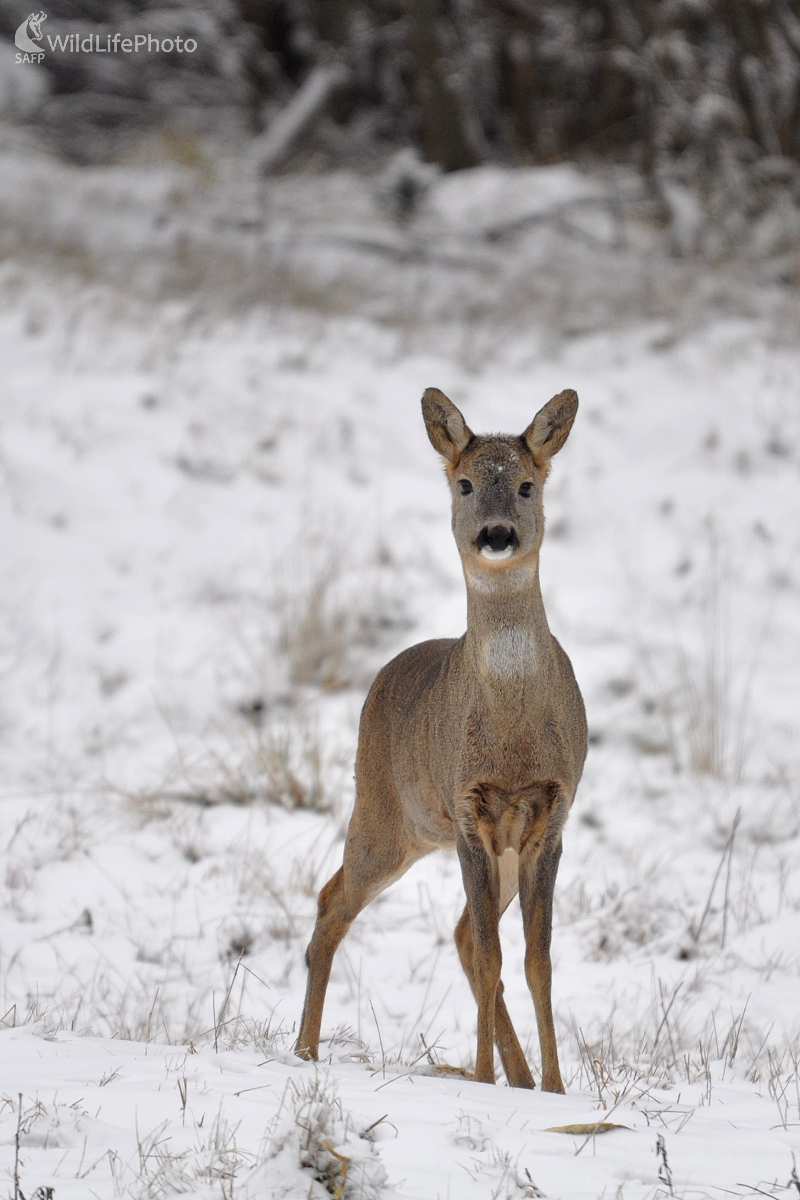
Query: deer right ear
x=449, y=433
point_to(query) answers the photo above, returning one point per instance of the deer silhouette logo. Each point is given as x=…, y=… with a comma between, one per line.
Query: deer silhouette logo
x=30, y=33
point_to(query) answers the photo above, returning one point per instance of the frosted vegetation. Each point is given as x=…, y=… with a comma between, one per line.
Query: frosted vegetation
x=220, y=515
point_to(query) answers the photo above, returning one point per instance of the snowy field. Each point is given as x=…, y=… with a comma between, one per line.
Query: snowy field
x=216, y=525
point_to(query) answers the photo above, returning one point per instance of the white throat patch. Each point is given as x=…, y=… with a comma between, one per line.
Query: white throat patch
x=522, y=575
x=509, y=651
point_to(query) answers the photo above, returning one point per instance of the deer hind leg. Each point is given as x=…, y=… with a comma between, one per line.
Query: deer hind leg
x=481, y=883
x=334, y=918
x=537, y=878
x=511, y=1053
x=370, y=864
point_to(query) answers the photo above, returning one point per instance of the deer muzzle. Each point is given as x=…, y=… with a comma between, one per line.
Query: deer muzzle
x=497, y=541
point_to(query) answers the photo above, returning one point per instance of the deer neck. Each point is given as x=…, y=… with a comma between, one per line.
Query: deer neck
x=508, y=638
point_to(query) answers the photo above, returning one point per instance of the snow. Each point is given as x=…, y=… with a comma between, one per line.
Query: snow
x=217, y=525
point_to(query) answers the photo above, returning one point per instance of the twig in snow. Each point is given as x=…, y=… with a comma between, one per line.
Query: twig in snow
x=17, y=1189
x=183, y=1089
x=597, y=1127
x=727, y=849
x=219, y=1021
x=666, y=1010
x=795, y=1179
x=734, y=827
x=345, y=1161
x=664, y=1169
x=380, y=1039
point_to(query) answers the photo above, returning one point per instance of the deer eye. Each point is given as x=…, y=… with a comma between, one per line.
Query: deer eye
x=525, y=489
x=465, y=487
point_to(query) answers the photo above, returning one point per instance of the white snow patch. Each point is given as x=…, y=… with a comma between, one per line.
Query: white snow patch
x=179, y=713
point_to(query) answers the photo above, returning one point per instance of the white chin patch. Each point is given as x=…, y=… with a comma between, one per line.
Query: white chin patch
x=488, y=552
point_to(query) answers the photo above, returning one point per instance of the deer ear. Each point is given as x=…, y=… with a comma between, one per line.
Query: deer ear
x=550, y=427
x=447, y=429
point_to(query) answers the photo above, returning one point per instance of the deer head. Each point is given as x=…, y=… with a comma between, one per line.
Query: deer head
x=497, y=481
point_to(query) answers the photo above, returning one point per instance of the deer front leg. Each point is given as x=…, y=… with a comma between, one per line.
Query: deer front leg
x=537, y=878
x=482, y=885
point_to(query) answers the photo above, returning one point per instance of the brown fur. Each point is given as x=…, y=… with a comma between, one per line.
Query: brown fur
x=475, y=744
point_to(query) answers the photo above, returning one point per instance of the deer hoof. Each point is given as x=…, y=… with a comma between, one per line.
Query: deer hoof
x=305, y=1052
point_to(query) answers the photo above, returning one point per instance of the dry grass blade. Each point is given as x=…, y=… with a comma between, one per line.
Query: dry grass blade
x=313, y=636
x=338, y=1191
x=328, y=626
x=16, y=1148
x=727, y=850
x=223, y=1011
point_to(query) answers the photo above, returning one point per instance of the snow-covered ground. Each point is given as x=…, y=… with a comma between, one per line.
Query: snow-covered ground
x=217, y=525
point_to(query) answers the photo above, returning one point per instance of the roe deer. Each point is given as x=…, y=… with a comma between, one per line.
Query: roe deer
x=476, y=743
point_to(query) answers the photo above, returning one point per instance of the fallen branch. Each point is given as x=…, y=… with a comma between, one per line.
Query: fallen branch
x=306, y=104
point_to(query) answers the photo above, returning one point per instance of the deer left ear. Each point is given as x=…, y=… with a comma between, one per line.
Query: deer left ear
x=550, y=427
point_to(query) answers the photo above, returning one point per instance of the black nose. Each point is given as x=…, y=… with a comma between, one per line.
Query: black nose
x=498, y=537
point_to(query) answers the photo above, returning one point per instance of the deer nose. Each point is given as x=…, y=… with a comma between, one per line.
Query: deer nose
x=497, y=539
